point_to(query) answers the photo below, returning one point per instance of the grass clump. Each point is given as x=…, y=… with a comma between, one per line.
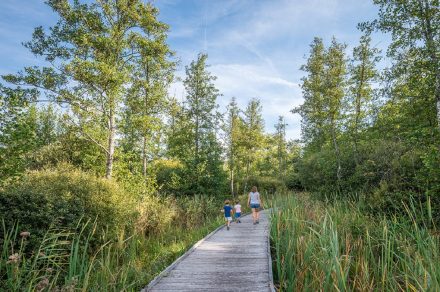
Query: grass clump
x=64, y=260
x=337, y=247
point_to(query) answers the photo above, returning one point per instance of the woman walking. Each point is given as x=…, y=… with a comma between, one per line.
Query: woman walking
x=254, y=201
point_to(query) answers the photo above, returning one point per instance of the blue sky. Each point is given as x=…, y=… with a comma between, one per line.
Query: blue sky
x=255, y=47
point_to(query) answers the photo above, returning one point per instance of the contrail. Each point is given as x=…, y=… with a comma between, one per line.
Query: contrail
x=205, y=17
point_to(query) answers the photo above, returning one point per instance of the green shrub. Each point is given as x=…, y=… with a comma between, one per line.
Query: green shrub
x=154, y=214
x=168, y=175
x=62, y=197
x=266, y=184
x=293, y=181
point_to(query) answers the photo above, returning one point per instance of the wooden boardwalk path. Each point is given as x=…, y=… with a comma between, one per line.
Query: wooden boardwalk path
x=234, y=260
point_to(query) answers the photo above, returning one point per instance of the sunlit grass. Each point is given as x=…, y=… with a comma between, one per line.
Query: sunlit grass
x=66, y=261
x=318, y=247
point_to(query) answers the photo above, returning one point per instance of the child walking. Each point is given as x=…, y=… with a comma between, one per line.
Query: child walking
x=227, y=209
x=237, y=208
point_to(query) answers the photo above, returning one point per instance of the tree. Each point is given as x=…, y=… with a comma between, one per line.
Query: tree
x=195, y=141
x=415, y=27
x=312, y=110
x=253, y=135
x=362, y=76
x=323, y=90
x=152, y=74
x=90, y=52
x=18, y=127
x=232, y=126
x=201, y=96
x=334, y=92
x=280, y=140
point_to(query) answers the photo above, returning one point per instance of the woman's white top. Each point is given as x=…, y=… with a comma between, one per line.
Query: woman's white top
x=255, y=197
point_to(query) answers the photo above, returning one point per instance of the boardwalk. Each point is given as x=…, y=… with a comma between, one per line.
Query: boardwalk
x=234, y=260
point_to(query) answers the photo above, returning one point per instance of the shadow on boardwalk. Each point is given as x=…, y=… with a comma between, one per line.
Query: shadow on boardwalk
x=234, y=260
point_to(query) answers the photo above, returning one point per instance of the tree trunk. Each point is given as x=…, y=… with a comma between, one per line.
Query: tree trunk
x=335, y=144
x=432, y=49
x=358, y=114
x=111, y=145
x=438, y=105
x=144, y=142
x=231, y=166
x=144, y=156
x=232, y=182
x=247, y=175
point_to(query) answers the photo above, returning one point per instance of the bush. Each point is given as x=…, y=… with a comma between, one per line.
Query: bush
x=62, y=196
x=168, y=175
x=293, y=181
x=154, y=215
x=266, y=184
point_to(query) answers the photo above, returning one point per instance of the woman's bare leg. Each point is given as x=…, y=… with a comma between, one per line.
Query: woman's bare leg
x=254, y=215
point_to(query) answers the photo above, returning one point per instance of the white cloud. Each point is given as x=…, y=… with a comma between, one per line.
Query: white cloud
x=277, y=95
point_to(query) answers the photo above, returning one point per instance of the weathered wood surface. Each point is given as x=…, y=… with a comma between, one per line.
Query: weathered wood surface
x=234, y=260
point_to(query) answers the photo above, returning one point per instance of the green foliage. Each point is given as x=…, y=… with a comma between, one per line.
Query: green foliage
x=61, y=197
x=383, y=143
x=319, y=247
x=267, y=184
x=67, y=261
x=96, y=55
x=193, y=137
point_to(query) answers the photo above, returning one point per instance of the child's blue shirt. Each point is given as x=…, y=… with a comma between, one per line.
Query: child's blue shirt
x=228, y=210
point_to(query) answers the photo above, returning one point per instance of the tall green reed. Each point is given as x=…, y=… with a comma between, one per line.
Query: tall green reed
x=69, y=260
x=336, y=247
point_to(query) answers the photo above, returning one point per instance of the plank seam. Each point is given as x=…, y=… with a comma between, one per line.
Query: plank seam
x=167, y=270
x=178, y=260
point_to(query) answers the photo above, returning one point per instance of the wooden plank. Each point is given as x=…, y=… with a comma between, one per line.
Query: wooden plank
x=234, y=260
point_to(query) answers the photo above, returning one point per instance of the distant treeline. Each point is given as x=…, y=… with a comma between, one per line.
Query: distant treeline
x=376, y=132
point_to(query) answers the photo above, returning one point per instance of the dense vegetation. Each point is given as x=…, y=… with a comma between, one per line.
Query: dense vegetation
x=338, y=247
x=375, y=131
x=370, y=161
x=104, y=178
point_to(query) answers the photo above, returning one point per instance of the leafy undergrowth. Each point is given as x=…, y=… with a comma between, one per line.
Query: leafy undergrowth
x=318, y=247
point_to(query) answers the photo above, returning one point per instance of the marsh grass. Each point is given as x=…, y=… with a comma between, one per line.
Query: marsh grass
x=336, y=247
x=65, y=260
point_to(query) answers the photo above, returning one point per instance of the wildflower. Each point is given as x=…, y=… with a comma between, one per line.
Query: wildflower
x=49, y=270
x=42, y=284
x=13, y=259
x=25, y=234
